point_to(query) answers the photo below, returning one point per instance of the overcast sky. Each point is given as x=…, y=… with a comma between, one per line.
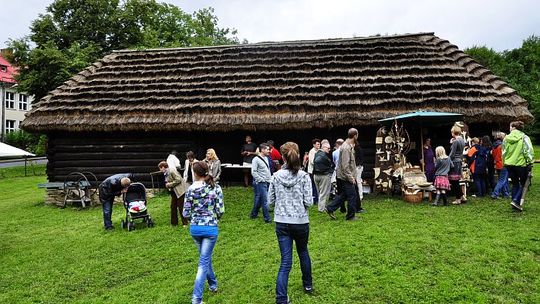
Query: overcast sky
x=498, y=24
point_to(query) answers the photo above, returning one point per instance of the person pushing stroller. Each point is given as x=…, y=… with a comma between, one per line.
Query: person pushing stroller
x=113, y=186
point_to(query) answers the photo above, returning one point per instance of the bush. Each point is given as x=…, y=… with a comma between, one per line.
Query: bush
x=34, y=143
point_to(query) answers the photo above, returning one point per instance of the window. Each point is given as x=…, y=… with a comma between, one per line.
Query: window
x=10, y=100
x=10, y=126
x=23, y=102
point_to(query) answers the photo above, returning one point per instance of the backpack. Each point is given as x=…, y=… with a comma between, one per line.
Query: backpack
x=480, y=159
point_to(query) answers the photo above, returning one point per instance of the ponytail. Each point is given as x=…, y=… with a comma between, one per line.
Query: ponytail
x=201, y=169
x=291, y=156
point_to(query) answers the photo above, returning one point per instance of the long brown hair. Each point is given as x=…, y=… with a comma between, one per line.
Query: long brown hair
x=201, y=169
x=291, y=156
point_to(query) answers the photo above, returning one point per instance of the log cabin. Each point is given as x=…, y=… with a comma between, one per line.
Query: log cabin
x=127, y=111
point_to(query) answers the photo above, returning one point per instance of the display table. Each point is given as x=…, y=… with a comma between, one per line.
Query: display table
x=229, y=171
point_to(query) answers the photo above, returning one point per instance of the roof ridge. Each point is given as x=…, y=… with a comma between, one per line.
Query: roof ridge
x=286, y=42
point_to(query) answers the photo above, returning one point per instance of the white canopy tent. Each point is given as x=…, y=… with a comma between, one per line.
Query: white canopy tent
x=10, y=151
x=7, y=151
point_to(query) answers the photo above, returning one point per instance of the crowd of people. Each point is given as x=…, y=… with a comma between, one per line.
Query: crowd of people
x=510, y=156
x=291, y=184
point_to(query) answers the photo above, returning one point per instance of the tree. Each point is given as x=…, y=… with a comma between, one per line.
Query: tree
x=73, y=34
x=520, y=68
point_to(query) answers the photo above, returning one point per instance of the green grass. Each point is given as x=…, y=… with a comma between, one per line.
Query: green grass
x=536, y=152
x=481, y=252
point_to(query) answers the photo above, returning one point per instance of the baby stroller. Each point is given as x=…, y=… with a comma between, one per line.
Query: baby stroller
x=135, y=205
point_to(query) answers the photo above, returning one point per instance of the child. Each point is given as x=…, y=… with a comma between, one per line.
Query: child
x=442, y=167
x=204, y=207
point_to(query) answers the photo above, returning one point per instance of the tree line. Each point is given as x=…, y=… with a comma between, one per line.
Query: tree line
x=72, y=34
x=520, y=68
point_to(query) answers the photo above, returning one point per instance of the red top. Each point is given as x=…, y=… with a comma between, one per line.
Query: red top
x=274, y=154
x=7, y=71
x=497, y=157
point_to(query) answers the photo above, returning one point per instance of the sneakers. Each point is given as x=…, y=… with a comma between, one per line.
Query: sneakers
x=516, y=206
x=354, y=218
x=361, y=210
x=331, y=214
x=456, y=202
x=109, y=228
x=308, y=290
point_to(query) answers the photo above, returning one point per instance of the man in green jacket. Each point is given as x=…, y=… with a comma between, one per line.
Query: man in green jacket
x=517, y=154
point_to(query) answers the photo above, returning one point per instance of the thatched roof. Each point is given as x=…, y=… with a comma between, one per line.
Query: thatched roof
x=277, y=85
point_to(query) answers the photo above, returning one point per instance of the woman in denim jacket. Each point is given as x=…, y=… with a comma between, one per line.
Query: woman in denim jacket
x=290, y=192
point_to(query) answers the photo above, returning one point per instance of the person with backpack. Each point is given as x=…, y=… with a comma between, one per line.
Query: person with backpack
x=518, y=155
x=478, y=157
x=490, y=166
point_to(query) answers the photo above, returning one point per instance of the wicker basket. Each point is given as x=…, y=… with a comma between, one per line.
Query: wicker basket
x=413, y=198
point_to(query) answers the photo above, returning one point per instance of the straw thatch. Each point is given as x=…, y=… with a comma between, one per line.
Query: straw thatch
x=272, y=86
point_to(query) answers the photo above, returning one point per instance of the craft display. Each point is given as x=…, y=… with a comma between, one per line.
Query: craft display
x=390, y=149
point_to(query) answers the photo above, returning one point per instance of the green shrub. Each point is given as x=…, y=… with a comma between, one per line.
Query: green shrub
x=34, y=143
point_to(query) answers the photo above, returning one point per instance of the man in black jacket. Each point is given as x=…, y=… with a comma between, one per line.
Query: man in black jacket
x=108, y=189
x=323, y=167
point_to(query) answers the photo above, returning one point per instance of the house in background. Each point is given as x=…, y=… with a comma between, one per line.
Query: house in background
x=127, y=111
x=14, y=104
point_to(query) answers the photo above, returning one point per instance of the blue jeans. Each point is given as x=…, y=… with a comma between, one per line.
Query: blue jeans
x=286, y=233
x=260, y=200
x=518, y=175
x=346, y=191
x=205, y=272
x=480, y=183
x=107, y=205
x=502, y=184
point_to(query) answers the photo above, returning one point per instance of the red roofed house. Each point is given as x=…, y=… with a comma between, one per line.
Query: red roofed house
x=14, y=104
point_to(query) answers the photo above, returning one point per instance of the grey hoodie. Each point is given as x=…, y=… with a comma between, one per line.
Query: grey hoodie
x=291, y=195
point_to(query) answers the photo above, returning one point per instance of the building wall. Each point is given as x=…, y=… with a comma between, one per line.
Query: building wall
x=17, y=104
x=105, y=154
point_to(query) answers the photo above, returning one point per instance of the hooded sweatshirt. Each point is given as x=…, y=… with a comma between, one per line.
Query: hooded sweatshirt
x=517, y=149
x=204, y=206
x=291, y=194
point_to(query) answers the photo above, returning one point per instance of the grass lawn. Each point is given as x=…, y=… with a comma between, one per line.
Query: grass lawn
x=481, y=252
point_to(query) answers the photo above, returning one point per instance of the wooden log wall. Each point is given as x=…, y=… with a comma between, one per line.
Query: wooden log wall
x=105, y=154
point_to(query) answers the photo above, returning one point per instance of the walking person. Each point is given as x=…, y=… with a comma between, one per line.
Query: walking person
x=323, y=168
x=291, y=195
x=113, y=186
x=177, y=187
x=441, y=182
x=518, y=155
x=204, y=207
x=456, y=156
x=501, y=188
x=346, y=178
x=260, y=170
